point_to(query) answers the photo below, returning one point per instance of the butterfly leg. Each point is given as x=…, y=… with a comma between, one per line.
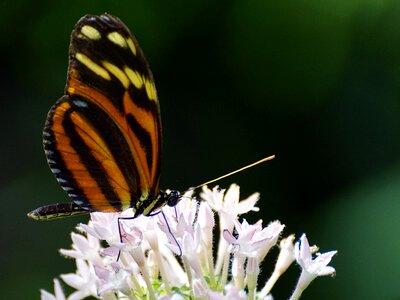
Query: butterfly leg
x=170, y=232
x=119, y=231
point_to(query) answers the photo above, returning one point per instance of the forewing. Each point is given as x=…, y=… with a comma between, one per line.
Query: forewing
x=103, y=138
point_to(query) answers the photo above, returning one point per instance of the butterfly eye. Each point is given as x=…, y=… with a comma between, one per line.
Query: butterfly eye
x=172, y=197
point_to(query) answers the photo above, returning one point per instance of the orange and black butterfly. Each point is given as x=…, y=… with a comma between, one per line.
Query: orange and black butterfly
x=102, y=139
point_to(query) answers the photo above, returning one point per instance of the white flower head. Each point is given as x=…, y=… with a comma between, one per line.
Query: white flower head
x=171, y=256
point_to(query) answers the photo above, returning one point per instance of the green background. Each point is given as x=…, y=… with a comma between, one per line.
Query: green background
x=314, y=82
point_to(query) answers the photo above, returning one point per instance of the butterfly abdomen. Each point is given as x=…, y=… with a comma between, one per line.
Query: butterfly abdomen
x=56, y=211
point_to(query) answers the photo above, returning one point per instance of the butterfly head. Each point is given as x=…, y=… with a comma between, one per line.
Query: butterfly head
x=171, y=197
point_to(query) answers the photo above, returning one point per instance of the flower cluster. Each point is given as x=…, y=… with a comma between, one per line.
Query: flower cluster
x=172, y=255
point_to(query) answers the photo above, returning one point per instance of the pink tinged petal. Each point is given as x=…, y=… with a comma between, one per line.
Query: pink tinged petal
x=102, y=273
x=246, y=232
x=111, y=251
x=229, y=237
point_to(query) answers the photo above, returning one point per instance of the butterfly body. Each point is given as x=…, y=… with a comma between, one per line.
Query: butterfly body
x=102, y=139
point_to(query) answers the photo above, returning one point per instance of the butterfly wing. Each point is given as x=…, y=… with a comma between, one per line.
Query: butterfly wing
x=102, y=139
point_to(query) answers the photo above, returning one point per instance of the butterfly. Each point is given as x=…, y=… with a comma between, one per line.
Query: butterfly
x=103, y=138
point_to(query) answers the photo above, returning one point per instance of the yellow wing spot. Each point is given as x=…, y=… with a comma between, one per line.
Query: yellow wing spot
x=117, y=39
x=117, y=72
x=150, y=90
x=131, y=45
x=90, y=32
x=91, y=65
x=134, y=77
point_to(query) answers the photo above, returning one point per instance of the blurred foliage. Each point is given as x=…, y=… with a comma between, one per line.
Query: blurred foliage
x=316, y=83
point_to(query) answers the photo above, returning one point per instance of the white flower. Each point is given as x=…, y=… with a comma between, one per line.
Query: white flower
x=315, y=267
x=253, y=240
x=86, y=248
x=103, y=226
x=58, y=292
x=285, y=259
x=311, y=268
x=113, y=279
x=84, y=281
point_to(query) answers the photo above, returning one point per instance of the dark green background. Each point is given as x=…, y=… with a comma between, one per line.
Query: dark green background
x=314, y=82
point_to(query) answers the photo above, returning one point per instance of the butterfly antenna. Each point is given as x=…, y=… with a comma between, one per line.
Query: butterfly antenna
x=236, y=171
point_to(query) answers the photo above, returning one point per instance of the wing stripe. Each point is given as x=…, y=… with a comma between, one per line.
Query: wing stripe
x=111, y=89
x=55, y=160
x=116, y=143
x=93, y=166
x=144, y=138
